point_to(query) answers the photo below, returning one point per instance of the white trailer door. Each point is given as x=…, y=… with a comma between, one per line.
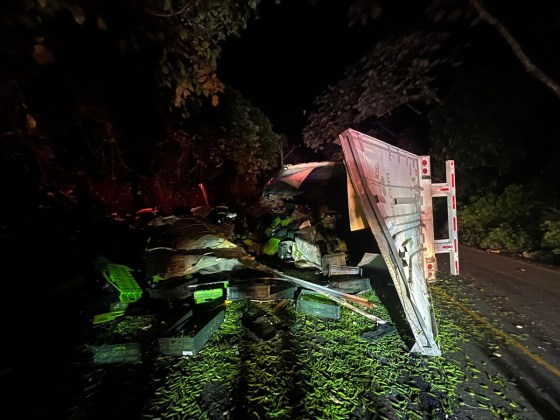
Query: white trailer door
x=387, y=181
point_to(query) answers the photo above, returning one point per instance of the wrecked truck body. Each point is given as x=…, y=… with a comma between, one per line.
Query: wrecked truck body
x=385, y=185
x=182, y=246
x=389, y=192
x=309, y=214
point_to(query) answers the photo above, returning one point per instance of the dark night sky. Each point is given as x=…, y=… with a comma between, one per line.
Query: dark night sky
x=295, y=49
x=291, y=53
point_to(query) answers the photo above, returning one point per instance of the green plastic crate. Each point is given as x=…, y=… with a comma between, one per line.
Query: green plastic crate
x=118, y=306
x=202, y=296
x=116, y=353
x=200, y=330
x=314, y=303
x=120, y=277
x=106, y=317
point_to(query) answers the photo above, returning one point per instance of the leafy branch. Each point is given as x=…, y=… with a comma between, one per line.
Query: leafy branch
x=398, y=72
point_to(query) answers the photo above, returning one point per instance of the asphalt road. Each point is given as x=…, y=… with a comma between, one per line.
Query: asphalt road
x=520, y=301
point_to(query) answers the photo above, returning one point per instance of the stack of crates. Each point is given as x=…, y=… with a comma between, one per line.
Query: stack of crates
x=334, y=264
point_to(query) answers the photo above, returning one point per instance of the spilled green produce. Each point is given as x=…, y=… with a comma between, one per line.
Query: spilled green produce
x=311, y=368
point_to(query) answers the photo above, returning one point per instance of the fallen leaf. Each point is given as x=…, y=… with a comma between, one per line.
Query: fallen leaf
x=31, y=123
x=79, y=15
x=42, y=55
x=101, y=24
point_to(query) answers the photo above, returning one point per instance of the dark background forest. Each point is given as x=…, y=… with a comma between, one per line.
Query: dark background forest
x=109, y=107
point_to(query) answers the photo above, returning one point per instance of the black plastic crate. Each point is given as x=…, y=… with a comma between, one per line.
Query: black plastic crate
x=314, y=303
x=199, y=330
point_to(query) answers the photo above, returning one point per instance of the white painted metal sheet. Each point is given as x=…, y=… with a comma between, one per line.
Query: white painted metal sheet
x=387, y=182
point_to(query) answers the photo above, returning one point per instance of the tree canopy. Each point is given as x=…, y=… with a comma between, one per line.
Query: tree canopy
x=94, y=91
x=397, y=72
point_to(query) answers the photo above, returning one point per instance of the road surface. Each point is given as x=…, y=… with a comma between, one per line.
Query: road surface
x=520, y=301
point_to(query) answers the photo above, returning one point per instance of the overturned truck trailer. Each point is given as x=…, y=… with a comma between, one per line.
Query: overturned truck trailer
x=390, y=191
